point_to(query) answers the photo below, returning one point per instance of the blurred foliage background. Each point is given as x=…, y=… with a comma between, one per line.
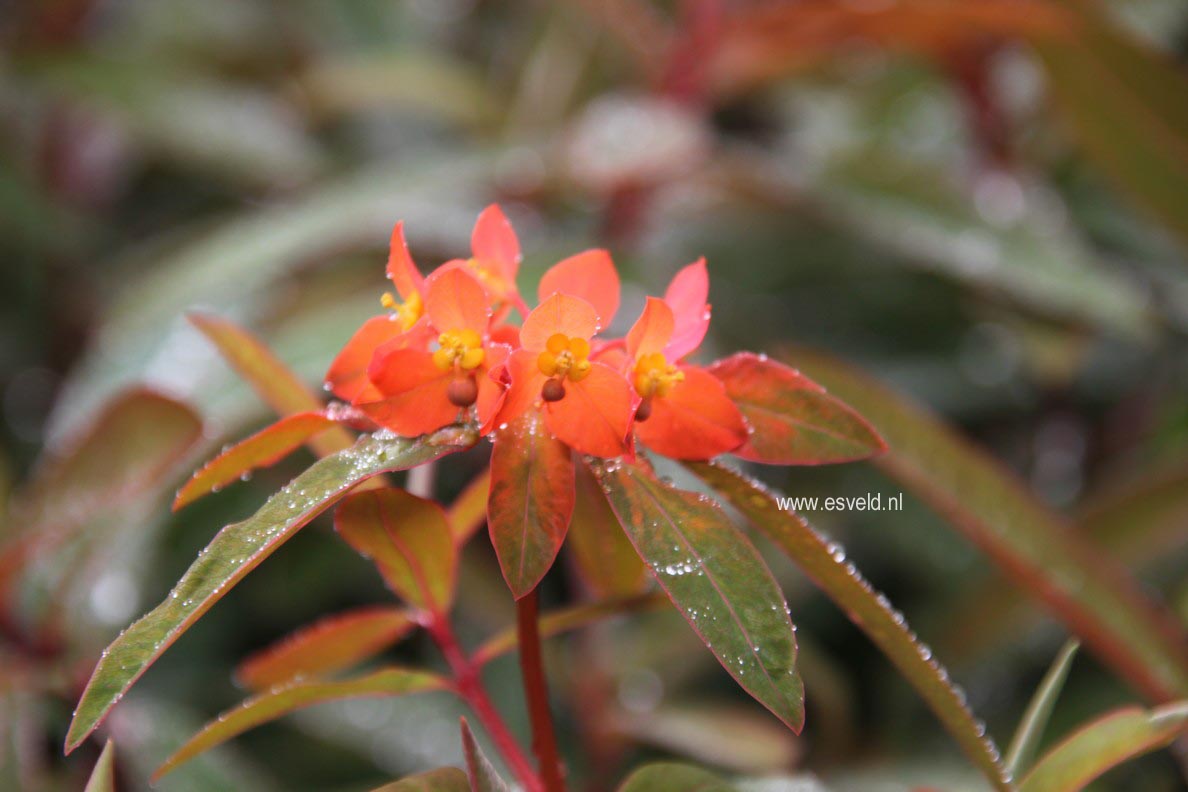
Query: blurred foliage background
x=983, y=203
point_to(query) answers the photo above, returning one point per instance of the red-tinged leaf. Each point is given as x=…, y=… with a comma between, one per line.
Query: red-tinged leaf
x=468, y=512
x=673, y=777
x=275, y=382
x=567, y=619
x=409, y=541
x=715, y=578
x=329, y=645
x=602, y=555
x=443, y=779
x=237, y=550
x=1088, y=592
x=1103, y=745
x=266, y=447
x=531, y=501
x=288, y=698
x=793, y=420
x=483, y=777
x=825, y=563
x=103, y=776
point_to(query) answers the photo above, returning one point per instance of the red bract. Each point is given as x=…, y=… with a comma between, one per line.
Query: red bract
x=495, y=260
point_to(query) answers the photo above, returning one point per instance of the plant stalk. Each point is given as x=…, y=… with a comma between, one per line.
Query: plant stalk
x=544, y=738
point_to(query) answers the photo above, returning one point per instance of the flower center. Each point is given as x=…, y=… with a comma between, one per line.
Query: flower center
x=655, y=376
x=565, y=357
x=459, y=348
x=407, y=312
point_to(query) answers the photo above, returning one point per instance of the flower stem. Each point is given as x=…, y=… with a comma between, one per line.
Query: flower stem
x=470, y=687
x=544, y=739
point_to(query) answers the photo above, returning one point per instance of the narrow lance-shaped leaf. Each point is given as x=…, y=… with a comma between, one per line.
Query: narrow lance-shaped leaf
x=468, y=512
x=330, y=644
x=408, y=540
x=793, y=420
x=443, y=779
x=531, y=501
x=266, y=447
x=1031, y=727
x=236, y=551
x=1094, y=597
x=825, y=563
x=276, y=384
x=673, y=777
x=715, y=578
x=562, y=621
x=483, y=777
x=602, y=554
x=284, y=699
x=103, y=776
x=1103, y=745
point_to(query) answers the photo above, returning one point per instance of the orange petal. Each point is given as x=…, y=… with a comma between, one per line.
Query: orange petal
x=401, y=270
x=494, y=242
x=415, y=390
x=696, y=420
x=651, y=331
x=347, y=376
x=594, y=415
x=506, y=334
x=571, y=316
x=491, y=392
x=455, y=300
x=686, y=296
x=524, y=392
x=590, y=275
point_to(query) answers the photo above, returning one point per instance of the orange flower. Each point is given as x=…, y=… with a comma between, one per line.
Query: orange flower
x=495, y=260
x=421, y=390
x=681, y=411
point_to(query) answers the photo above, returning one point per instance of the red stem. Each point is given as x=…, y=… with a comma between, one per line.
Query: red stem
x=470, y=688
x=544, y=739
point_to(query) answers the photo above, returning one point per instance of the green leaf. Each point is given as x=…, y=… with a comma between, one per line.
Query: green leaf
x=1090, y=594
x=284, y=699
x=794, y=421
x=531, y=501
x=266, y=447
x=1031, y=728
x=236, y=551
x=408, y=540
x=1126, y=105
x=443, y=779
x=483, y=777
x=825, y=563
x=330, y=644
x=277, y=384
x=604, y=559
x=673, y=777
x=715, y=578
x=566, y=619
x=1103, y=745
x=103, y=776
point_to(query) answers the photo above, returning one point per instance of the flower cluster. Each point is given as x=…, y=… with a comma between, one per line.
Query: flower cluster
x=448, y=349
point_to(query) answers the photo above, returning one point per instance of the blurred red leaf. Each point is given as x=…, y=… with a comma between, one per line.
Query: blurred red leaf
x=103, y=776
x=330, y=644
x=673, y=777
x=715, y=578
x=531, y=501
x=266, y=447
x=794, y=421
x=409, y=541
x=468, y=512
x=602, y=554
x=286, y=698
x=443, y=779
x=483, y=777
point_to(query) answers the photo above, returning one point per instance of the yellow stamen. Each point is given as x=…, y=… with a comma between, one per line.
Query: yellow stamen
x=565, y=357
x=461, y=348
x=655, y=376
x=407, y=312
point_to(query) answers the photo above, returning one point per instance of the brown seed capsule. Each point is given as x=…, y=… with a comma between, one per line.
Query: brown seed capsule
x=644, y=411
x=463, y=392
x=552, y=390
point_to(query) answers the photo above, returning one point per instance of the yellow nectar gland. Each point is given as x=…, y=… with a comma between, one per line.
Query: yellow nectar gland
x=655, y=376
x=565, y=357
x=407, y=312
x=459, y=348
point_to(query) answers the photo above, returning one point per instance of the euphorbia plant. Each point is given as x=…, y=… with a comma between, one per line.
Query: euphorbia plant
x=458, y=355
